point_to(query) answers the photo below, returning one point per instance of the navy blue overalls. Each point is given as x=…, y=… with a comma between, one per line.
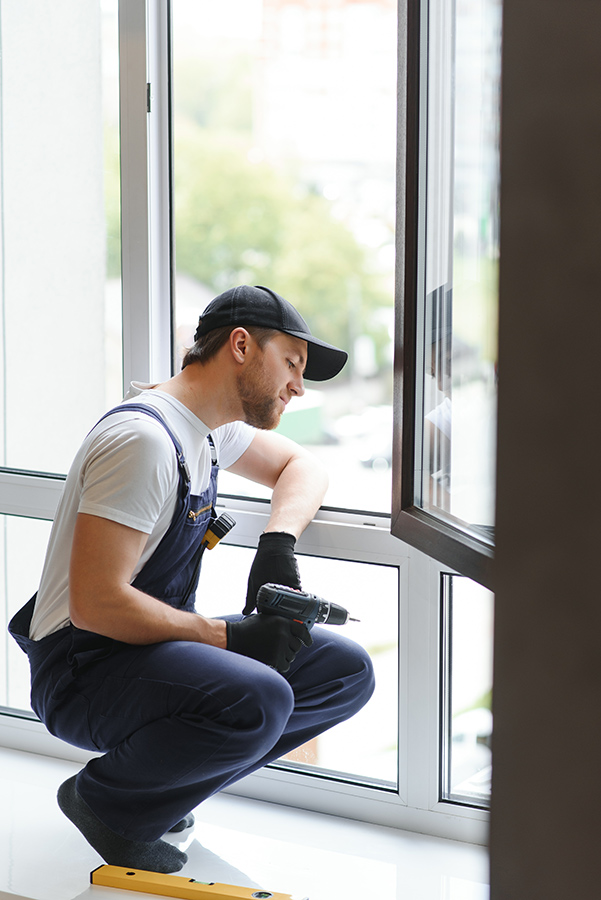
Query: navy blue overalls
x=178, y=721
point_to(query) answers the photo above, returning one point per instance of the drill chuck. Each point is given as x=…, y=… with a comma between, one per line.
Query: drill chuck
x=280, y=600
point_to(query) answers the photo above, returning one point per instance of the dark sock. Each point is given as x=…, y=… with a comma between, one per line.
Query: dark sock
x=186, y=822
x=154, y=856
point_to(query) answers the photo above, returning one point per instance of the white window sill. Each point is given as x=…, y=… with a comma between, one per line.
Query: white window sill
x=235, y=841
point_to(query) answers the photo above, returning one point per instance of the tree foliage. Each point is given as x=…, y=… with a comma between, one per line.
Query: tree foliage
x=243, y=222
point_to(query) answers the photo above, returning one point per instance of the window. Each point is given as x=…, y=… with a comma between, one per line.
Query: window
x=60, y=300
x=284, y=175
x=315, y=220
x=60, y=350
x=363, y=749
x=466, y=689
x=284, y=170
x=444, y=491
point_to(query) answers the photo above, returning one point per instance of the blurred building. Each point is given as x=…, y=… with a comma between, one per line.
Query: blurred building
x=320, y=61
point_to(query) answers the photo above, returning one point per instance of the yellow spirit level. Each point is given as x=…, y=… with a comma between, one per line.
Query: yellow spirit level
x=176, y=885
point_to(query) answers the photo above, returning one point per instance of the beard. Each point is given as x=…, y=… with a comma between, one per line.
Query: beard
x=259, y=410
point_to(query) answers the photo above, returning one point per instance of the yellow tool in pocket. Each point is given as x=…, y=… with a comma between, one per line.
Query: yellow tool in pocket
x=176, y=885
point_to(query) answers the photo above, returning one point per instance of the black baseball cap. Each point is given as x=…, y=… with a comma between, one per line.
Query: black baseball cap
x=260, y=306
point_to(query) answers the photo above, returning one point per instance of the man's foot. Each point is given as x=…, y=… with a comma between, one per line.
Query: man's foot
x=154, y=856
x=186, y=822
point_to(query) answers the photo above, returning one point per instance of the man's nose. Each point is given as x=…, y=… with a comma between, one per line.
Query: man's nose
x=297, y=385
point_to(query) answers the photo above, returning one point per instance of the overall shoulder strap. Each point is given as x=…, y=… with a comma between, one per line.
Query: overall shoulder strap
x=150, y=411
x=213, y=449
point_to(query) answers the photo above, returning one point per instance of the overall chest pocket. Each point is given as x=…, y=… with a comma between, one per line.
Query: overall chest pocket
x=195, y=514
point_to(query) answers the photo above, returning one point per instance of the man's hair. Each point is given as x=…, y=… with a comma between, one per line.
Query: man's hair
x=208, y=345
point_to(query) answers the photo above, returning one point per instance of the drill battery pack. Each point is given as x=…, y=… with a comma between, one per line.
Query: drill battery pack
x=176, y=885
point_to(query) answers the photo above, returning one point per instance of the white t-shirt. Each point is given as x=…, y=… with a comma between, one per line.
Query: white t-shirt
x=126, y=471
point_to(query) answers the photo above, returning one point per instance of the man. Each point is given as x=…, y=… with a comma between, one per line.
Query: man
x=182, y=705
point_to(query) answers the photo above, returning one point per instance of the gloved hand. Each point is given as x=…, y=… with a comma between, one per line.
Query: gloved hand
x=273, y=640
x=274, y=562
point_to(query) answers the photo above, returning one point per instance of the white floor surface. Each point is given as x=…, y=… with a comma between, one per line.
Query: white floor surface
x=234, y=841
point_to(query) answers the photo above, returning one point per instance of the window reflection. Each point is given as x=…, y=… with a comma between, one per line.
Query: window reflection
x=456, y=431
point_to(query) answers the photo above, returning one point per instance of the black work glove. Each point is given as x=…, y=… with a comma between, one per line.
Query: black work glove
x=273, y=640
x=275, y=563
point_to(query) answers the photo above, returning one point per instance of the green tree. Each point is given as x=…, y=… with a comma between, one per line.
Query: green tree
x=239, y=221
x=243, y=222
x=214, y=90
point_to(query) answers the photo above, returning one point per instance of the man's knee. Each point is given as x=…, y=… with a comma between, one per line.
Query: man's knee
x=357, y=672
x=339, y=668
x=269, y=696
x=211, y=694
x=367, y=679
x=254, y=705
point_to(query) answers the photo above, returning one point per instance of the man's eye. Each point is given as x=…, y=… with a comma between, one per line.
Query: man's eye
x=291, y=364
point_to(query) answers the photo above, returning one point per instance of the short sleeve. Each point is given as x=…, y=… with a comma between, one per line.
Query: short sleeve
x=129, y=474
x=231, y=441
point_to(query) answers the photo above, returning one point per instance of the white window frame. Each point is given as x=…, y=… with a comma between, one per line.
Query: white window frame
x=146, y=250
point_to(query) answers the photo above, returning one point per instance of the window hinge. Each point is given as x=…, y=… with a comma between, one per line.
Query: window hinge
x=147, y=96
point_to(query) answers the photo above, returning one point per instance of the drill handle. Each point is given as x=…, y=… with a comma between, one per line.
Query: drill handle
x=277, y=599
x=280, y=600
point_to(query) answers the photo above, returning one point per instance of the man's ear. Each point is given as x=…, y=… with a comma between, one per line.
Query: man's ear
x=239, y=344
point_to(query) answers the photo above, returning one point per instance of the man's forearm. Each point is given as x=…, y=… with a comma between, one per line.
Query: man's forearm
x=102, y=599
x=297, y=495
x=137, y=618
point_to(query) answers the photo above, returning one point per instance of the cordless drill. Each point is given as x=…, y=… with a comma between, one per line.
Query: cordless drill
x=279, y=600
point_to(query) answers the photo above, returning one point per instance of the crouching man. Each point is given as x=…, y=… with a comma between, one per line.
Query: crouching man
x=181, y=705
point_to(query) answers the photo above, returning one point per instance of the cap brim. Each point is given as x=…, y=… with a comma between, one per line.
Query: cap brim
x=323, y=360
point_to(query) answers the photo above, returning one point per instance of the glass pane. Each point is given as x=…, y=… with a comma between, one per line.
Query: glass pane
x=365, y=747
x=284, y=131
x=60, y=239
x=22, y=549
x=467, y=692
x=457, y=395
